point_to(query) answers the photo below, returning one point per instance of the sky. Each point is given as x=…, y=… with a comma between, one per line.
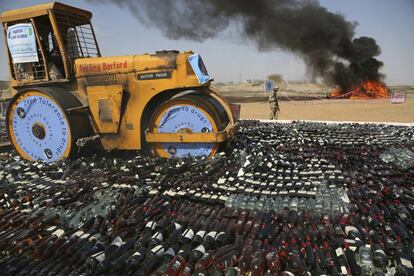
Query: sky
x=231, y=58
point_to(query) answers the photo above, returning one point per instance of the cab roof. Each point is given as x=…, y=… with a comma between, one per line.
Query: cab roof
x=42, y=9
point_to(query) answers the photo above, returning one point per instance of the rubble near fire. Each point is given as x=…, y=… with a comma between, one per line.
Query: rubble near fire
x=285, y=199
x=366, y=90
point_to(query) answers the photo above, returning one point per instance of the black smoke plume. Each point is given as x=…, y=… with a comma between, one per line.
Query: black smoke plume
x=325, y=40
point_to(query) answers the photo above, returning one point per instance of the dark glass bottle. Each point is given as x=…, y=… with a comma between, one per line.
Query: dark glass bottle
x=379, y=257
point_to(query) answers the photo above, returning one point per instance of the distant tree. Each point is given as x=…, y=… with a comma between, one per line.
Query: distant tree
x=277, y=78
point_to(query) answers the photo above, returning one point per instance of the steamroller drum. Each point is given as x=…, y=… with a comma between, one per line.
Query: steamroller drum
x=214, y=105
x=39, y=126
x=190, y=113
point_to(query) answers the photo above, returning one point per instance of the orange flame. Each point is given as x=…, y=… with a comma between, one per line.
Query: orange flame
x=367, y=90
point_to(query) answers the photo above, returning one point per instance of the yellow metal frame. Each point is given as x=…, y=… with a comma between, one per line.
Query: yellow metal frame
x=44, y=10
x=214, y=137
x=140, y=96
x=111, y=94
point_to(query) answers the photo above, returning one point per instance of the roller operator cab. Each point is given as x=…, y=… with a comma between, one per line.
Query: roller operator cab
x=64, y=90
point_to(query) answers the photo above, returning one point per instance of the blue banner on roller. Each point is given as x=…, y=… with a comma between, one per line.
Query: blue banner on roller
x=269, y=86
x=50, y=120
x=199, y=68
x=185, y=119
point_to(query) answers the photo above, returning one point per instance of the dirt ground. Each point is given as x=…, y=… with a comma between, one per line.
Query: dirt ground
x=304, y=101
x=334, y=110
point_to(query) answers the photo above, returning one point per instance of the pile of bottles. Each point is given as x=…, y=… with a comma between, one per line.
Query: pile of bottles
x=283, y=199
x=403, y=158
x=3, y=132
x=326, y=201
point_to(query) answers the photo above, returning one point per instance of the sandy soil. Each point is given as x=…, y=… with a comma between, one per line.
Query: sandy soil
x=307, y=101
x=335, y=110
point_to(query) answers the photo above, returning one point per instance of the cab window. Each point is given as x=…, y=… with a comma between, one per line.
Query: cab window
x=78, y=35
x=33, y=50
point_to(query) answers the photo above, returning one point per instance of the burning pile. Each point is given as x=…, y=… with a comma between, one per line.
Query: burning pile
x=369, y=89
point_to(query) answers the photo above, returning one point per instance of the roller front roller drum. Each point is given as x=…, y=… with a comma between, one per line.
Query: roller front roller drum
x=39, y=126
x=187, y=114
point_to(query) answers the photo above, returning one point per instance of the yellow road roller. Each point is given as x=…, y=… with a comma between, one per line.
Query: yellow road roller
x=63, y=90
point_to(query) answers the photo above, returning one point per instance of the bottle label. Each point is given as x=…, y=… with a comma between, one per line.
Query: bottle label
x=58, y=233
x=136, y=254
x=177, y=226
x=158, y=250
x=201, y=233
x=117, y=241
x=339, y=251
x=189, y=234
x=95, y=237
x=406, y=263
x=158, y=236
x=350, y=228
x=201, y=249
x=79, y=233
x=53, y=228
x=100, y=256
x=223, y=198
x=151, y=225
x=343, y=270
x=176, y=265
x=351, y=242
x=380, y=251
x=212, y=234
x=288, y=273
x=170, y=252
x=220, y=234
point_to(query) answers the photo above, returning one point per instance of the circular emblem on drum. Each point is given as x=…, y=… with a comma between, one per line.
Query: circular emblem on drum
x=39, y=128
x=185, y=114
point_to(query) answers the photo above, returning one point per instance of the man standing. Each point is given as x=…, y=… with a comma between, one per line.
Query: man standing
x=274, y=105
